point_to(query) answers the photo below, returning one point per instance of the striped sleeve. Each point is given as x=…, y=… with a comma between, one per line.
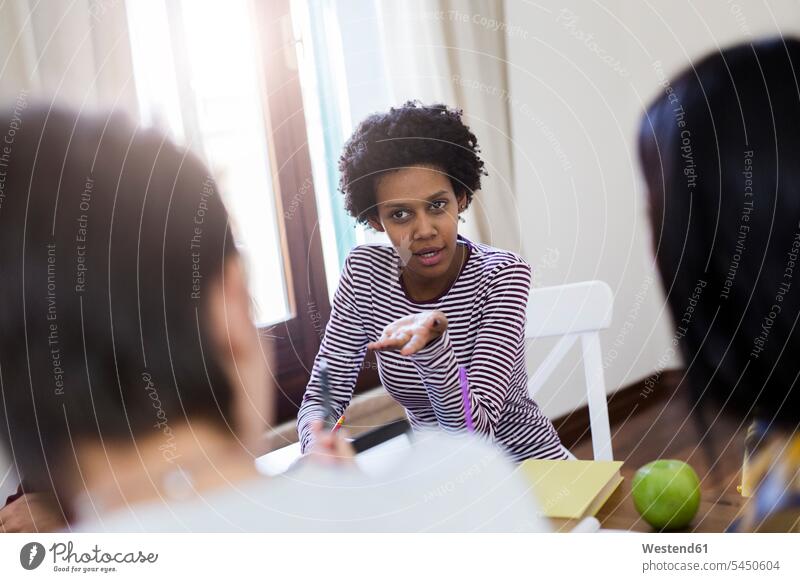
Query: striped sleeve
x=492, y=364
x=343, y=347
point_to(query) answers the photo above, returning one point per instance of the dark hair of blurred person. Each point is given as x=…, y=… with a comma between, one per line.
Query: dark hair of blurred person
x=719, y=149
x=114, y=247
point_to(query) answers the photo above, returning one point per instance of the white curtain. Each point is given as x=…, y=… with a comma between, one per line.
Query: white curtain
x=453, y=51
x=74, y=52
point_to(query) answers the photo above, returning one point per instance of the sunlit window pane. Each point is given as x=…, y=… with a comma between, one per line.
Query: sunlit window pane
x=196, y=72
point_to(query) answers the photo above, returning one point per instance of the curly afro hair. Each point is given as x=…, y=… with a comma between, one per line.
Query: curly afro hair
x=413, y=134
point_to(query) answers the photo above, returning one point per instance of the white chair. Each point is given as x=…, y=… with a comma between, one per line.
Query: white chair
x=575, y=311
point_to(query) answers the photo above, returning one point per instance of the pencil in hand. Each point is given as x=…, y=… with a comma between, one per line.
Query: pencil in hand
x=338, y=425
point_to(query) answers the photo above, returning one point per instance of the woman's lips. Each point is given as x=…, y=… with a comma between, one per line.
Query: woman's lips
x=430, y=257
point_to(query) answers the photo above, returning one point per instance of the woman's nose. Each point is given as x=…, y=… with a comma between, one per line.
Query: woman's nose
x=425, y=228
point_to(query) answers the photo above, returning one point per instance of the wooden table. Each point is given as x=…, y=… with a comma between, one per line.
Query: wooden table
x=720, y=503
x=719, y=507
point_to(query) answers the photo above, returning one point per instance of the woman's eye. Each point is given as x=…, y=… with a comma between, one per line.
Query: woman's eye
x=400, y=214
x=438, y=204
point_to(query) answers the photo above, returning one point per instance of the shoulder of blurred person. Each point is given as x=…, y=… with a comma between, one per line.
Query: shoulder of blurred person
x=440, y=484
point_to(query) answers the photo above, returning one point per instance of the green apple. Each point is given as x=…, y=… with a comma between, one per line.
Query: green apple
x=666, y=493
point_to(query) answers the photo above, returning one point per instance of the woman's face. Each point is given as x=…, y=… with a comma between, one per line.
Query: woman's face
x=418, y=210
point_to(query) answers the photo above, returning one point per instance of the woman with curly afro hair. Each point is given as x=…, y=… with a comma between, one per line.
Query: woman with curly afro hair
x=433, y=305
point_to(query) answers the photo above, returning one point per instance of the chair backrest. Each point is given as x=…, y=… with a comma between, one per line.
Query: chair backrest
x=575, y=311
x=571, y=308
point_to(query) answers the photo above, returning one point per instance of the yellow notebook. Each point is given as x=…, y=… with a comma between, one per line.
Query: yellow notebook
x=572, y=489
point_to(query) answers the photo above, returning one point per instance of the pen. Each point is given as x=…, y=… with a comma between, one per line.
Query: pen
x=338, y=425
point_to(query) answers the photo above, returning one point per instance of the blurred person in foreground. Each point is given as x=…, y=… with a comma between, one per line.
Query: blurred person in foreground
x=134, y=387
x=719, y=149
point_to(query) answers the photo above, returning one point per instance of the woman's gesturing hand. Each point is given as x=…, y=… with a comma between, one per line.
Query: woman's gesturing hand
x=411, y=333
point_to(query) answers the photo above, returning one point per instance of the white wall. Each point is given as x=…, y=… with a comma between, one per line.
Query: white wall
x=580, y=75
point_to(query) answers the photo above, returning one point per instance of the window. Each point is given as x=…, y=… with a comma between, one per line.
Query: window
x=195, y=66
x=222, y=78
x=342, y=72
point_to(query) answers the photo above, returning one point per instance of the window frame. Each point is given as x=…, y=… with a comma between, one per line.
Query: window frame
x=294, y=342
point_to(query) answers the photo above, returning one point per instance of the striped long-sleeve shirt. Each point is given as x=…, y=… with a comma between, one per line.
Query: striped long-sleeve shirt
x=485, y=308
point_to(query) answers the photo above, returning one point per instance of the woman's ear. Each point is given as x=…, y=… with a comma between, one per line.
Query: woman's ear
x=461, y=199
x=373, y=221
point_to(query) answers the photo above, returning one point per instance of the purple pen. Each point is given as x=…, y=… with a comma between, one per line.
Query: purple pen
x=464, y=381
